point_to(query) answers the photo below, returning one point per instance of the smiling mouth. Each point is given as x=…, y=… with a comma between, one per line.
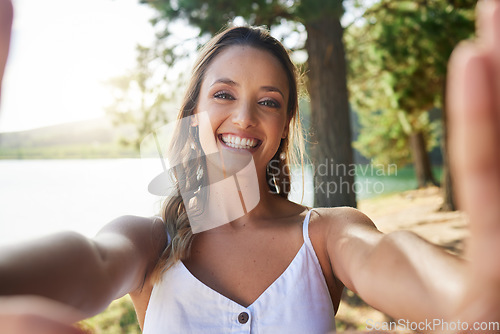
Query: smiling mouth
x=239, y=142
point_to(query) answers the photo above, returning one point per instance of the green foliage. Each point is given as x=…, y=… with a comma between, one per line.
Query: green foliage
x=210, y=16
x=387, y=141
x=140, y=98
x=202, y=19
x=397, y=70
x=118, y=318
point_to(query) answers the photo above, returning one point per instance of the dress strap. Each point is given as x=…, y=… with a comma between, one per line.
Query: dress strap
x=305, y=228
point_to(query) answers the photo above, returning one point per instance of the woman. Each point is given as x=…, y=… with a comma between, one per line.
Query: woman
x=276, y=266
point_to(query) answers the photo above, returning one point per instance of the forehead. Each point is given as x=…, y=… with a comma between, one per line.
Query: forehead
x=246, y=64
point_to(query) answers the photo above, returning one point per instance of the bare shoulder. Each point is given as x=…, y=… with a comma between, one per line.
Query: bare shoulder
x=341, y=220
x=139, y=241
x=347, y=236
x=147, y=230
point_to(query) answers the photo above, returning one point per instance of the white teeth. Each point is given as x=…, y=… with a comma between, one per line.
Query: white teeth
x=238, y=142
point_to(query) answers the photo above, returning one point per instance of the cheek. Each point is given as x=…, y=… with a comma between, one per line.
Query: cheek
x=275, y=131
x=206, y=133
x=280, y=127
x=214, y=114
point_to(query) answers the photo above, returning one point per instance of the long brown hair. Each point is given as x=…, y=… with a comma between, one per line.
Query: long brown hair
x=186, y=151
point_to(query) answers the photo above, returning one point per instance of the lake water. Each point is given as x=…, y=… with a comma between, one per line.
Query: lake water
x=44, y=196
x=38, y=197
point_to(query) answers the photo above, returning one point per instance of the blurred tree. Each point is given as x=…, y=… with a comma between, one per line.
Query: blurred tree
x=139, y=99
x=326, y=67
x=398, y=59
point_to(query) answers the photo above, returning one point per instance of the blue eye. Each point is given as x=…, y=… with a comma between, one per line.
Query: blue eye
x=270, y=103
x=223, y=96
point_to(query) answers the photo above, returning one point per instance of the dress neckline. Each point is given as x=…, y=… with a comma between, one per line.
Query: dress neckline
x=296, y=258
x=266, y=291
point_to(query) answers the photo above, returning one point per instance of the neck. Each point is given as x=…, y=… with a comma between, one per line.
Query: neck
x=237, y=197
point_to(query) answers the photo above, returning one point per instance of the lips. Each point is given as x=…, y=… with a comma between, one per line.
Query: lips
x=238, y=142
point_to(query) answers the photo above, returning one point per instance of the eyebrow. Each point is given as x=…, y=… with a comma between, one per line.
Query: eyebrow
x=226, y=81
x=273, y=89
x=230, y=82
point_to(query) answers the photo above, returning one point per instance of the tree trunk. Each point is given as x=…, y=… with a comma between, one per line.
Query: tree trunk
x=447, y=182
x=421, y=160
x=332, y=154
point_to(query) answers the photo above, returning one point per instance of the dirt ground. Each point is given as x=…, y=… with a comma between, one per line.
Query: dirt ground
x=417, y=211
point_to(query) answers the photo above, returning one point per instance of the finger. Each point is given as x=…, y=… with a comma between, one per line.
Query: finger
x=488, y=23
x=474, y=136
x=474, y=143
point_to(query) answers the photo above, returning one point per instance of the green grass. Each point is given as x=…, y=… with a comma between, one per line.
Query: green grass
x=385, y=184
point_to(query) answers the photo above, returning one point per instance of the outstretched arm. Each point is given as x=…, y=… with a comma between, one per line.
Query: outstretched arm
x=398, y=273
x=86, y=274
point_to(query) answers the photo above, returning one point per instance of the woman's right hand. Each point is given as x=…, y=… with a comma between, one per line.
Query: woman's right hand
x=37, y=315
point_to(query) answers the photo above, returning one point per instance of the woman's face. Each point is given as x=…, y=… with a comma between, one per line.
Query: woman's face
x=244, y=94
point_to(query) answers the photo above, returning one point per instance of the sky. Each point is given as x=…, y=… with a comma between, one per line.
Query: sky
x=62, y=52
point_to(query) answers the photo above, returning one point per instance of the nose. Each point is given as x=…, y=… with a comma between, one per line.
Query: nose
x=244, y=115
